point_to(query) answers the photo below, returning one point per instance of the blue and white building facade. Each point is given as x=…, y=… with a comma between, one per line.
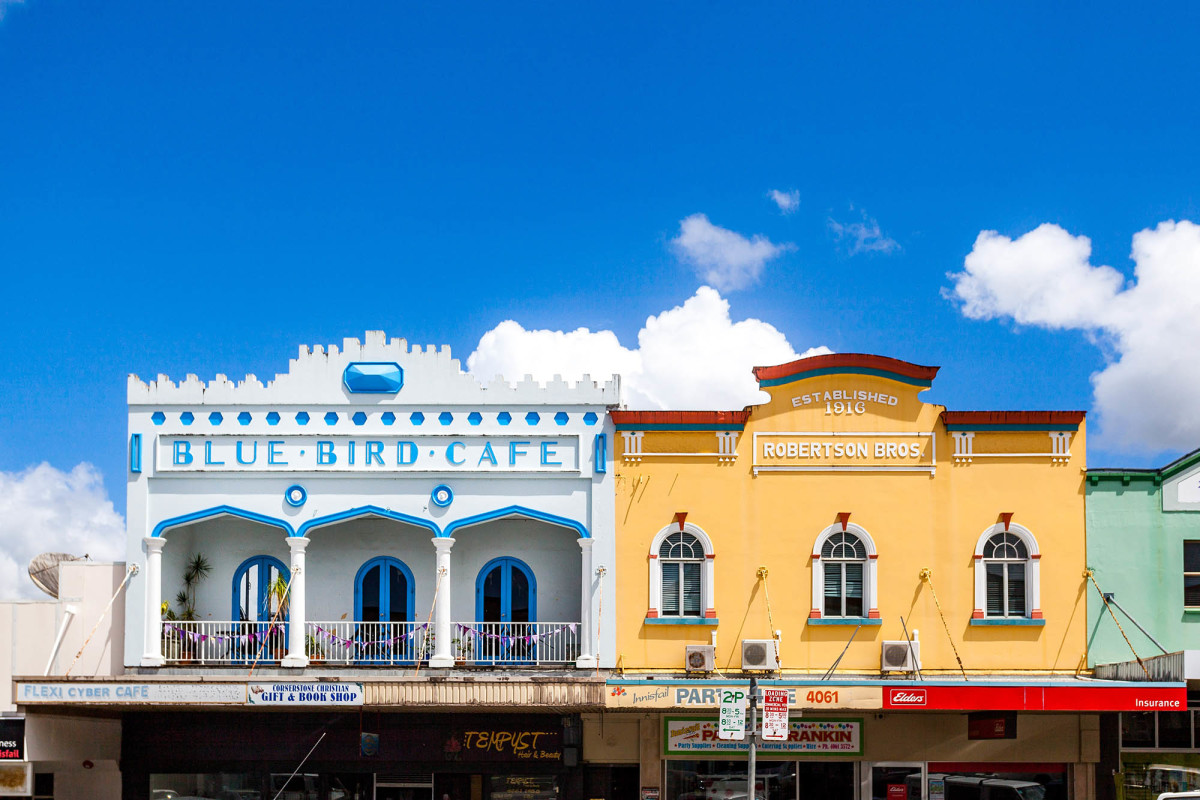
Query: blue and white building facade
x=375, y=505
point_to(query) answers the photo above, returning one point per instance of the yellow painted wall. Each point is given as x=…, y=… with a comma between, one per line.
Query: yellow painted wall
x=917, y=520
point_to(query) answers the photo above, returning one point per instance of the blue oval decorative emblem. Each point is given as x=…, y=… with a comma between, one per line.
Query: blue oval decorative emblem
x=373, y=377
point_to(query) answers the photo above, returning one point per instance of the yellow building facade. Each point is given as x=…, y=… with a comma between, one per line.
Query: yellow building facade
x=911, y=577
x=846, y=444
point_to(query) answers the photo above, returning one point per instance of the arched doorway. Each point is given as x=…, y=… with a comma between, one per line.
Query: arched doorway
x=383, y=599
x=506, y=607
x=260, y=609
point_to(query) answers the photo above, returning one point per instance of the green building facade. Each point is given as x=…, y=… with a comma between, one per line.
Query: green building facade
x=1143, y=542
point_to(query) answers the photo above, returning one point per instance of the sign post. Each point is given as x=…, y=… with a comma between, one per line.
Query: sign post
x=775, y=715
x=733, y=714
x=750, y=759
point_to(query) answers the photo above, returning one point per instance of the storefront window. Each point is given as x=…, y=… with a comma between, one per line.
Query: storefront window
x=524, y=787
x=1137, y=729
x=1175, y=729
x=216, y=785
x=997, y=781
x=773, y=780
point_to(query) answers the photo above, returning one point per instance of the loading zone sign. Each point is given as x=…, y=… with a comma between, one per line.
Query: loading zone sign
x=775, y=715
x=733, y=713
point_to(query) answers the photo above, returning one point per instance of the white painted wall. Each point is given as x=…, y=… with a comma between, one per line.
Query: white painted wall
x=336, y=553
x=551, y=552
x=433, y=382
x=225, y=543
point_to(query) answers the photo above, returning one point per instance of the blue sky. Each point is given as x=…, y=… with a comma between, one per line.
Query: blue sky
x=199, y=188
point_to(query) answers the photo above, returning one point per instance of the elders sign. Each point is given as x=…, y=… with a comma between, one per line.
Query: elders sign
x=775, y=715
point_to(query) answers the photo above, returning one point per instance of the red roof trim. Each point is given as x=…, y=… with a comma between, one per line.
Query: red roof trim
x=1013, y=417
x=836, y=360
x=680, y=417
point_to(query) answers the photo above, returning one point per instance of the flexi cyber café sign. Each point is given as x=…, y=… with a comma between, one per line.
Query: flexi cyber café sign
x=1090, y=697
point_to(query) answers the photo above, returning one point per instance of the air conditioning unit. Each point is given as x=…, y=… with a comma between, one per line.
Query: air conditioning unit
x=699, y=658
x=901, y=656
x=760, y=654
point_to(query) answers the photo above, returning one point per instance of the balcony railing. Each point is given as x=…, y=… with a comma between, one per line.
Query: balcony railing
x=223, y=642
x=369, y=643
x=366, y=644
x=515, y=643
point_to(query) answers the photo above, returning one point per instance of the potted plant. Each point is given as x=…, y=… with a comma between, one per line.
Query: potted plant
x=197, y=569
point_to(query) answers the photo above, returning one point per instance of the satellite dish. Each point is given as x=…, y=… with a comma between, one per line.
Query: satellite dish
x=43, y=570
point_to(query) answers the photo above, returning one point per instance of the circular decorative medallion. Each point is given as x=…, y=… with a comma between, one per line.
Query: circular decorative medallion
x=442, y=495
x=295, y=495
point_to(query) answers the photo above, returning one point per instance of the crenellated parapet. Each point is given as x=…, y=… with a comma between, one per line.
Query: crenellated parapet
x=416, y=376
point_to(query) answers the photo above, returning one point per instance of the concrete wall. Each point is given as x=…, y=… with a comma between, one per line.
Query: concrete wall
x=62, y=745
x=1136, y=549
x=28, y=628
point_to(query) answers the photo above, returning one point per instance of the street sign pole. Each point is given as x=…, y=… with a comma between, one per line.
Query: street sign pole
x=750, y=765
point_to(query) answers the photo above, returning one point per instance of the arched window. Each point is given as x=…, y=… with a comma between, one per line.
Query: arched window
x=681, y=559
x=1006, y=574
x=681, y=575
x=258, y=589
x=844, y=570
x=383, y=591
x=844, y=562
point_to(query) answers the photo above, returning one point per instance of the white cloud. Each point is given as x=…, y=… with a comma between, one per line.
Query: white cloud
x=787, y=201
x=721, y=257
x=863, y=237
x=693, y=356
x=43, y=509
x=1145, y=396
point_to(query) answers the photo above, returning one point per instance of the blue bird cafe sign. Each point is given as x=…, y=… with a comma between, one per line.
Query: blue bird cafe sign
x=184, y=453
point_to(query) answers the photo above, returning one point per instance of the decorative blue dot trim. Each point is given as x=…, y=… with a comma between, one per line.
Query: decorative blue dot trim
x=590, y=418
x=416, y=418
x=387, y=418
x=331, y=418
x=474, y=418
x=215, y=418
x=158, y=418
x=295, y=496
x=533, y=418
x=244, y=418
x=273, y=418
x=186, y=418
x=359, y=418
x=302, y=418
x=445, y=418
x=504, y=418
x=561, y=418
x=442, y=495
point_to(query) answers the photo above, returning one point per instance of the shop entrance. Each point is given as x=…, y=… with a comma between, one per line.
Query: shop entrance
x=404, y=787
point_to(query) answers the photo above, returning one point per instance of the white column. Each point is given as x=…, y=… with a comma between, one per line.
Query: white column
x=818, y=588
x=872, y=610
x=1034, y=579
x=587, y=658
x=152, y=652
x=296, y=657
x=443, y=655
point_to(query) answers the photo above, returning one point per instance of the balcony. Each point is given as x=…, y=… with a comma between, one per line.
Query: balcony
x=372, y=644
